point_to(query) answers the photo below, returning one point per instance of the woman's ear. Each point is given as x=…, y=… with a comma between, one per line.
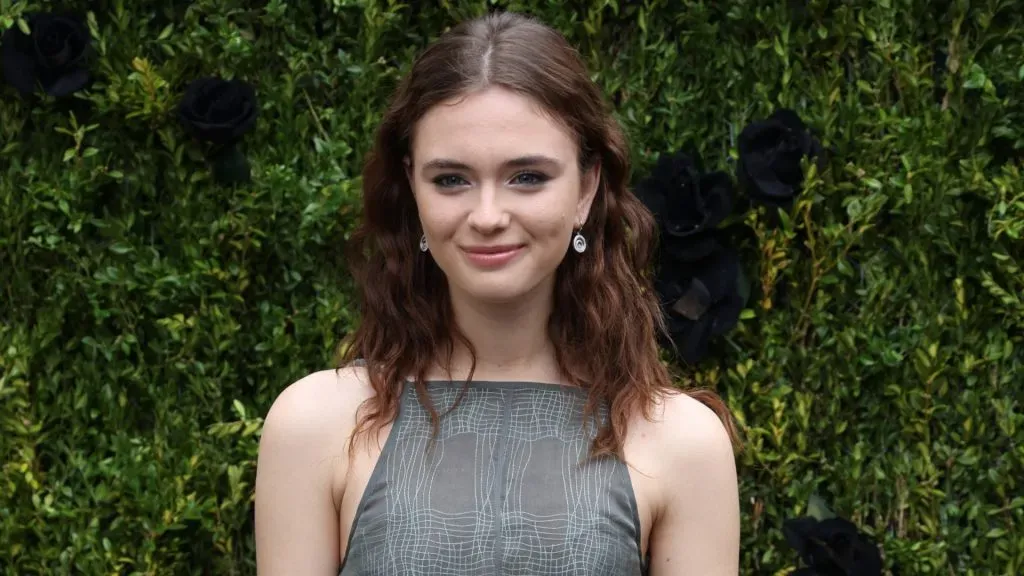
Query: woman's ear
x=589, y=185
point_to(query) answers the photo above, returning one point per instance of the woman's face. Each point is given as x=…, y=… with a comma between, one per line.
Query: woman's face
x=499, y=193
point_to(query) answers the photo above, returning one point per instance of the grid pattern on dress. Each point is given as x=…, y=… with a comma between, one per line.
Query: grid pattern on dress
x=505, y=490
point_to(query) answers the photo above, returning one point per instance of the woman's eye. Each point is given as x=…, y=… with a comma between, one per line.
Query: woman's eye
x=449, y=181
x=530, y=179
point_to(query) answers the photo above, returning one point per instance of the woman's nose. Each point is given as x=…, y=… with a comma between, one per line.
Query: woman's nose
x=488, y=214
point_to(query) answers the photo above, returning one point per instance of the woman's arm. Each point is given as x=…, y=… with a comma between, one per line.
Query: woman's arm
x=301, y=458
x=697, y=532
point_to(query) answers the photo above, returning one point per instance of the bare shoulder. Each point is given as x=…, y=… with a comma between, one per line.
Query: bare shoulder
x=316, y=401
x=314, y=416
x=692, y=431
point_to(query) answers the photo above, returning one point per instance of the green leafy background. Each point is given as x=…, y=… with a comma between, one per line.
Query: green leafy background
x=148, y=317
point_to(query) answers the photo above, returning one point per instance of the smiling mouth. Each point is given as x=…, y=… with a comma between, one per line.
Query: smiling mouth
x=493, y=249
x=492, y=256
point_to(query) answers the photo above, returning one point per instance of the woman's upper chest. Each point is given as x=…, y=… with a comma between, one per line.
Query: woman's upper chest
x=505, y=482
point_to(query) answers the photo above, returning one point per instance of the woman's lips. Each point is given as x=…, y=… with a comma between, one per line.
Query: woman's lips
x=492, y=256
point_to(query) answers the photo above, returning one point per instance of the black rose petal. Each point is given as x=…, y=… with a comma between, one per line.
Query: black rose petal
x=770, y=152
x=694, y=248
x=68, y=83
x=701, y=302
x=833, y=546
x=856, y=552
x=797, y=532
x=681, y=198
x=686, y=204
x=218, y=111
x=714, y=204
x=54, y=55
x=690, y=339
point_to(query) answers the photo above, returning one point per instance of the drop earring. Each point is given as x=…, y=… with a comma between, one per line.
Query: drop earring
x=423, y=243
x=579, y=243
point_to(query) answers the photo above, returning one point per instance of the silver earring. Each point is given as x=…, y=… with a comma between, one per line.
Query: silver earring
x=423, y=243
x=579, y=243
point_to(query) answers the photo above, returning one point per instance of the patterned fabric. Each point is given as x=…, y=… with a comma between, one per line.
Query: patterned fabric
x=505, y=490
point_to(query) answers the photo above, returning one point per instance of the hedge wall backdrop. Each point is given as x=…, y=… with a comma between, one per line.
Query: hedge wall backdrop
x=839, y=183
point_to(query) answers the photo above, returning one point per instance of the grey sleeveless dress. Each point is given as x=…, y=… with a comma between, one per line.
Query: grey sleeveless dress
x=505, y=490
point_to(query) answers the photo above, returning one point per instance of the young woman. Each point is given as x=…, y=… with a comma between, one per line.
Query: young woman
x=501, y=408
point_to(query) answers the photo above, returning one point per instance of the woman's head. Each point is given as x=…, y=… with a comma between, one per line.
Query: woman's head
x=499, y=190
x=497, y=136
x=489, y=94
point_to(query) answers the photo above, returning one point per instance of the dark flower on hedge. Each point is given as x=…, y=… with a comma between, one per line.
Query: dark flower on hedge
x=700, y=301
x=54, y=55
x=686, y=204
x=770, y=154
x=218, y=111
x=832, y=547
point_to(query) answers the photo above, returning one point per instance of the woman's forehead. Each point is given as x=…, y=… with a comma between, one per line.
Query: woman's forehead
x=493, y=125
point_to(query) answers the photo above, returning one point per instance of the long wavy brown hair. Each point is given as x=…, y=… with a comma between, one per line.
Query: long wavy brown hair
x=606, y=314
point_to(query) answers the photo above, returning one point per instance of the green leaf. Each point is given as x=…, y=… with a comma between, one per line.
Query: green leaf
x=23, y=26
x=975, y=78
x=784, y=218
x=743, y=290
x=252, y=427
x=854, y=208
x=818, y=509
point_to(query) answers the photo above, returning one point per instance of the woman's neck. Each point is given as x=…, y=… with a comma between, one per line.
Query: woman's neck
x=511, y=341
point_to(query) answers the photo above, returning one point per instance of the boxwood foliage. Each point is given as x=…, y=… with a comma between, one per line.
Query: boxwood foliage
x=149, y=315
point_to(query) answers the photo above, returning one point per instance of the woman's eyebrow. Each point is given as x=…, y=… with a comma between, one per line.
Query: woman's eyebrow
x=519, y=162
x=533, y=160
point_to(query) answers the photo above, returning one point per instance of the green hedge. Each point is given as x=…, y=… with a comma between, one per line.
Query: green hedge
x=149, y=316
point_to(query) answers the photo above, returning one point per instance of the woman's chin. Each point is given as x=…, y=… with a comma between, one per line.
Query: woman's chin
x=495, y=294
x=497, y=288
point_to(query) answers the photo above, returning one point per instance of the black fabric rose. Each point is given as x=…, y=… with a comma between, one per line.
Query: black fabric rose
x=701, y=301
x=218, y=111
x=53, y=56
x=770, y=154
x=832, y=547
x=687, y=204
